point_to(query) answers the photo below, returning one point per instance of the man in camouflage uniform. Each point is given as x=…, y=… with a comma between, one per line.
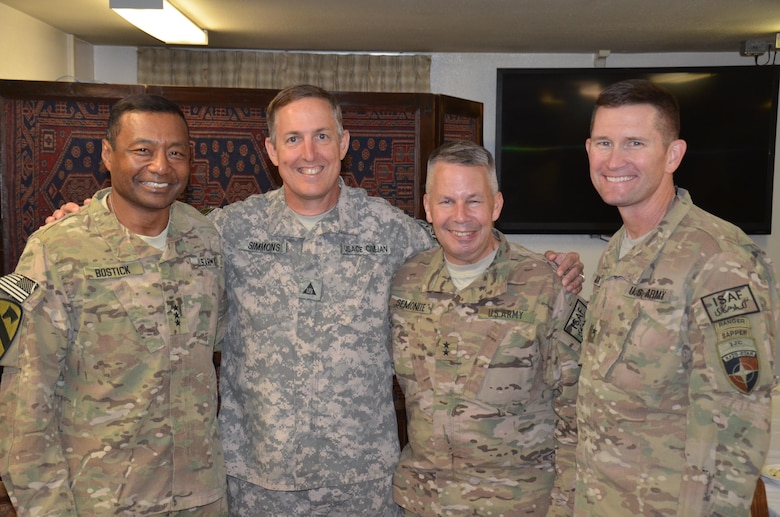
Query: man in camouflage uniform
x=486, y=345
x=109, y=398
x=674, y=396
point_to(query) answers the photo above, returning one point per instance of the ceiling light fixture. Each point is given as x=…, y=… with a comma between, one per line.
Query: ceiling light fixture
x=160, y=19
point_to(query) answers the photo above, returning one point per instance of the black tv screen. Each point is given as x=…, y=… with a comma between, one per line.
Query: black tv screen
x=728, y=117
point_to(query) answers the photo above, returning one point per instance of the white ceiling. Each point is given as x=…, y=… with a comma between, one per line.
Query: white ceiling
x=517, y=26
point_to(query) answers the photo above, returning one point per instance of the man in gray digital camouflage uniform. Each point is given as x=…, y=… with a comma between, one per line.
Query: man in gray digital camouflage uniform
x=674, y=395
x=486, y=347
x=306, y=380
x=108, y=404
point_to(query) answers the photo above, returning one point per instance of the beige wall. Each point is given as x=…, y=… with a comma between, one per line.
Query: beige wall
x=34, y=51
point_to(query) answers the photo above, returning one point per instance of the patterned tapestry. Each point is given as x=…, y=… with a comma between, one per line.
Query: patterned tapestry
x=55, y=148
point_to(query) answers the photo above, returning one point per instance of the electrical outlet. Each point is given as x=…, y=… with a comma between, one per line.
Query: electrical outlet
x=753, y=47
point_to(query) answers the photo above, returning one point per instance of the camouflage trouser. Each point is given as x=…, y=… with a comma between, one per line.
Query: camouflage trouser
x=218, y=508
x=372, y=498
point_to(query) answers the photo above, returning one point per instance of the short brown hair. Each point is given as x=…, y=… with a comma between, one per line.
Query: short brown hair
x=641, y=91
x=295, y=93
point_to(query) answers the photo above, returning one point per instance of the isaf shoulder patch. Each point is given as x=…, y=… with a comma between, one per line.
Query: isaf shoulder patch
x=736, y=301
x=575, y=323
x=740, y=361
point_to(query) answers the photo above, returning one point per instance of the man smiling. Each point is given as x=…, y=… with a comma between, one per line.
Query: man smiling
x=108, y=403
x=673, y=408
x=485, y=345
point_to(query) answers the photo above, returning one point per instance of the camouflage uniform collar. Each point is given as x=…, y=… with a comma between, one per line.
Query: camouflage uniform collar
x=342, y=219
x=122, y=241
x=636, y=266
x=492, y=283
x=119, y=238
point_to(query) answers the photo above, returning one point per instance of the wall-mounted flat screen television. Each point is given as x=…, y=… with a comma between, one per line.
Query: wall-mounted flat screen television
x=728, y=117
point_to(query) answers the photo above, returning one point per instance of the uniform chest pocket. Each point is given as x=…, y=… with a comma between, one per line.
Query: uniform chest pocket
x=198, y=301
x=512, y=375
x=415, y=340
x=359, y=285
x=115, y=328
x=118, y=310
x=638, y=349
x=261, y=290
x=610, y=338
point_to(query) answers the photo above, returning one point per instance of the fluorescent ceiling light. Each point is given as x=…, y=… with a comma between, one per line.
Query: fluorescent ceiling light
x=160, y=19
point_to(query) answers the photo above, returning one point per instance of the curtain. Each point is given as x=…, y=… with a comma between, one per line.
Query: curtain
x=277, y=70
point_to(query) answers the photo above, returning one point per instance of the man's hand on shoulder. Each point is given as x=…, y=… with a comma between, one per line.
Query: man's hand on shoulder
x=569, y=269
x=68, y=208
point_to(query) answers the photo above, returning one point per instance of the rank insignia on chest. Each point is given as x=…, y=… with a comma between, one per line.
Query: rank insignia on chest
x=310, y=290
x=446, y=353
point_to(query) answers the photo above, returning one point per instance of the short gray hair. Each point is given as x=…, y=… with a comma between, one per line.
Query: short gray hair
x=463, y=152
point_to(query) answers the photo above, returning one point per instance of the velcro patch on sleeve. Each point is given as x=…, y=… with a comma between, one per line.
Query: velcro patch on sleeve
x=17, y=286
x=736, y=301
x=575, y=324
